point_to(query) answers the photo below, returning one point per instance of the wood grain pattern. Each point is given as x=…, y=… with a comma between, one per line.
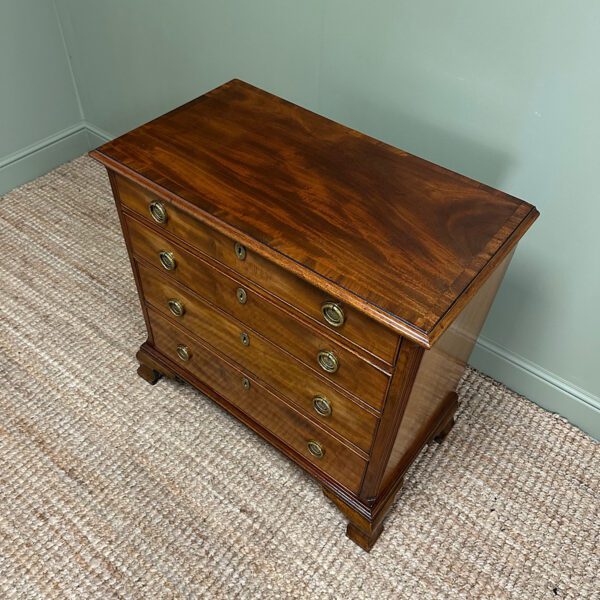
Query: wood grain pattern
x=384, y=231
x=358, y=330
x=339, y=461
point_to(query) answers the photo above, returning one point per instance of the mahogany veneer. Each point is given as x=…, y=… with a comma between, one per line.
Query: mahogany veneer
x=322, y=286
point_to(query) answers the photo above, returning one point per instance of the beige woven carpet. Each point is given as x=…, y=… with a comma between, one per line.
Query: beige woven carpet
x=112, y=488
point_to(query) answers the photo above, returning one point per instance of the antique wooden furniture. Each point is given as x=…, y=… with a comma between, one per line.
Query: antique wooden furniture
x=321, y=286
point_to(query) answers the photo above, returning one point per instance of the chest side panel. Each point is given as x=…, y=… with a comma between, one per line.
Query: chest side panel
x=437, y=378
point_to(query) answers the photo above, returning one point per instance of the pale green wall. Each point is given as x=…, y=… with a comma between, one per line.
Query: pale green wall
x=40, y=119
x=505, y=92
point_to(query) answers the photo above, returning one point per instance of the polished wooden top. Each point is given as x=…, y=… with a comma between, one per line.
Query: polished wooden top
x=387, y=232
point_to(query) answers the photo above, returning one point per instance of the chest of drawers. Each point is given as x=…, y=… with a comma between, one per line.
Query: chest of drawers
x=323, y=287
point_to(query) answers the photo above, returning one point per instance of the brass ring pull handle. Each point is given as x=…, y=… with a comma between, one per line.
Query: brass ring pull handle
x=328, y=361
x=240, y=251
x=333, y=314
x=167, y=260
x=158, y=212
x=176, y=307
x=315, y=449
x=322, y=406
x=183, y=352
x=241, y=295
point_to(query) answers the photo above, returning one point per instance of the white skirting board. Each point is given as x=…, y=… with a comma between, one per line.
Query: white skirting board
x=47, y=154
x=546, y=389
x=97, y=136
x=43, y=156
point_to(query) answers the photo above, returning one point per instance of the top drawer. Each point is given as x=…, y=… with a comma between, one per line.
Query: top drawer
x=344, y=321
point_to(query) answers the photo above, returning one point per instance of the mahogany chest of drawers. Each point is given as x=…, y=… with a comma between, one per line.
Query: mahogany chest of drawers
x=323, y=287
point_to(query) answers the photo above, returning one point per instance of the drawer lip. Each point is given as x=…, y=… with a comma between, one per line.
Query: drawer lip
x=360, y=404
x=378, y=314
x=376, y=361
x=198, y=383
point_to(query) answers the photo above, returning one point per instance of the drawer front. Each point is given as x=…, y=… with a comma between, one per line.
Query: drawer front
x=313, y=395
x=258, y=313
x=357, y=376
x=356, y=327
x=295, y=430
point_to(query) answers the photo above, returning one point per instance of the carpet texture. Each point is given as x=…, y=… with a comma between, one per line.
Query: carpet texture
x=110, y=487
